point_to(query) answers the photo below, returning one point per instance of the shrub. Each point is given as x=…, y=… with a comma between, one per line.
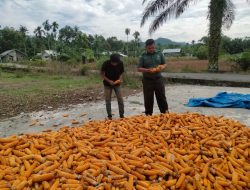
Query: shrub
x=130, y=61
x=89, y=55
x=131, y=80
x=64, y=57
x=37, y=62
x=100, y=61
x=83, y=70
x=36, y=57
x=202, y=53
x=243, y=61
x=71, y=61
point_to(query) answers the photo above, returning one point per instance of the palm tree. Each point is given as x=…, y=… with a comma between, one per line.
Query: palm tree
x=221, y=13
x=47, y=27
x=127, y=32
x=23, y=30
x=136, y=36
x=54, y=26
x=39, y=32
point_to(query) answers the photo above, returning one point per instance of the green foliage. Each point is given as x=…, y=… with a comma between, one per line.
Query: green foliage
x=72, y=61
x=130, y=61
x=64, y=57
x=243, y=61
x=131, y=80
x=100, y=61
x=10, y=39
x=232, y=46
x=37, y=57
x=19, y=74
x=89, y=54
x=202, y=53
x=36, y=62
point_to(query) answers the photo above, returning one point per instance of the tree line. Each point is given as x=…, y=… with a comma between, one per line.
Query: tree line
x=73, y=43
x=230, y=46
x=68, y=40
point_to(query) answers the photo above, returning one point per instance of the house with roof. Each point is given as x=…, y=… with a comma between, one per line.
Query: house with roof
x=122, y=55
x=172, y=52
x=48, y=55
x=12, y=55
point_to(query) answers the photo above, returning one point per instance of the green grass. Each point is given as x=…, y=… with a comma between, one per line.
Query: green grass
x=18, y=83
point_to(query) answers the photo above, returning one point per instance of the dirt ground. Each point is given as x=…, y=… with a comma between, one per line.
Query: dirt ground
x=10, y=107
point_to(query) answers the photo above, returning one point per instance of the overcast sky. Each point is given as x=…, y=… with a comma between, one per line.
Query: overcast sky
x=111, y=17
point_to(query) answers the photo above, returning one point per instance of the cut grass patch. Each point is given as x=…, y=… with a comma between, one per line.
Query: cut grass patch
x=43, y=83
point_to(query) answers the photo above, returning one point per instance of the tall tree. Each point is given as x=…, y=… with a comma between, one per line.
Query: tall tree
x=54, y=27
x=10, y=39
x=47, y=27
x=66, y=34
x=204, y=40
x=136, y=35
x=39, y=32
x=127, y=32
x=221, y=13
x=23, y=30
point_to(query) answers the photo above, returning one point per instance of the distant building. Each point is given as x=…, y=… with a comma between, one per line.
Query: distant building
x=48, y=55
x=12, y=55
x=171, y=52
x=122, y=55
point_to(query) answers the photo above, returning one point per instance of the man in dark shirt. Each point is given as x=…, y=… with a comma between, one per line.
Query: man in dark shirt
x=151, y=64
x=111, y=73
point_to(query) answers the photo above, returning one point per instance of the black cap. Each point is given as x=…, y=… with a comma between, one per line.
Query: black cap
x=149, y=42
x=115, y=58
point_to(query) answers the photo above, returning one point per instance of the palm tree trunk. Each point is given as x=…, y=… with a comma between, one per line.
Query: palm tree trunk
x=127, y=44
x=215, y=17
x=25, y=49
x=48, y=42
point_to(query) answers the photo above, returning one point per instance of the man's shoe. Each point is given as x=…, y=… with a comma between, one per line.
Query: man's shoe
x=110, y=117
x=121, y=116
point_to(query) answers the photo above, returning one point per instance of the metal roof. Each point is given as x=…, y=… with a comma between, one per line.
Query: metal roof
x=9, y=51
x=50, y=52
x=177, y=50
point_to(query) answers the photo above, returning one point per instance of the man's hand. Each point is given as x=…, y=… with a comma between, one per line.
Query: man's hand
x=117, y=82
x=161, y=67
x=155, y=70
x=112, y=83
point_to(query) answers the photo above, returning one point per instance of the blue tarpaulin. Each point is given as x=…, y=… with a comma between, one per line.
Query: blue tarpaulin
x=222, y=100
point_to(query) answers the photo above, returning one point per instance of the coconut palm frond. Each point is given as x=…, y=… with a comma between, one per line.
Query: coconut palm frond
x=153, y=7
x=182, y=7
x=228, y=14
x=162, y=17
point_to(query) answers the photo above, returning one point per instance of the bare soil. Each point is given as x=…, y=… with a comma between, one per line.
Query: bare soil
x=10, y=107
